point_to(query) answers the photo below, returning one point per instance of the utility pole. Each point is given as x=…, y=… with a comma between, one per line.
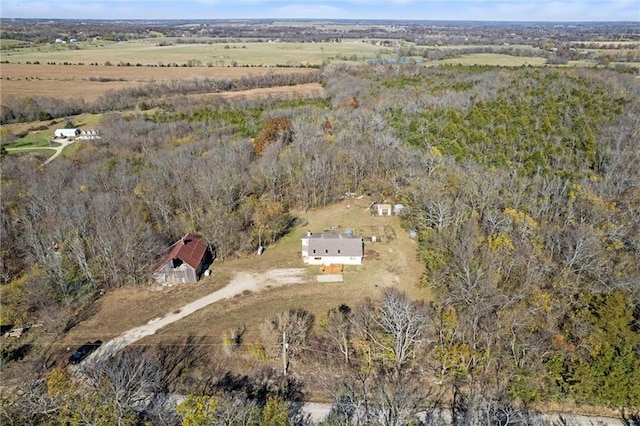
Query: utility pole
x=284, y=353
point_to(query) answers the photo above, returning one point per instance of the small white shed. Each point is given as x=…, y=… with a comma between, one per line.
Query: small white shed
x=384, y=210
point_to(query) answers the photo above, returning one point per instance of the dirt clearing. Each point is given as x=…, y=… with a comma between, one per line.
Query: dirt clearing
x=273, y=273
x=243, y=282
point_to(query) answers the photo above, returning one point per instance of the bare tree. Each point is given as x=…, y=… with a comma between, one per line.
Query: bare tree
x=238, y=412
x=128, y=382
x=338, y=328
x=287, y=333
x=384, y=399
x=396, y=327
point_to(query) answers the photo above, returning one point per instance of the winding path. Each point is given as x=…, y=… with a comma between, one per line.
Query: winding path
x=58, y=149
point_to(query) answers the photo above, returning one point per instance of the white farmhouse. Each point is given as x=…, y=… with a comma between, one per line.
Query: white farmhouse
x=66, y=133
x=332, y=249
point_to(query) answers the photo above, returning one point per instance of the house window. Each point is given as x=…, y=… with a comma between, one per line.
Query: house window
x=326, y=251
x=338, y=251
x=314, y=251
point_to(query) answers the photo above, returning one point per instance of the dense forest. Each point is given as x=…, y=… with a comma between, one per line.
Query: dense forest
x=522, y=185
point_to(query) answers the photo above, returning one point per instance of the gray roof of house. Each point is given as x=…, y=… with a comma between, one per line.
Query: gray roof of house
x=335, y=245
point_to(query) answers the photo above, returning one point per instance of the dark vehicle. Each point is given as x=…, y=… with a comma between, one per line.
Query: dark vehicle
x=84, y=351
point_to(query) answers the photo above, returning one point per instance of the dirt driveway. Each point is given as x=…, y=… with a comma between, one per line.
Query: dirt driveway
x=241, y=283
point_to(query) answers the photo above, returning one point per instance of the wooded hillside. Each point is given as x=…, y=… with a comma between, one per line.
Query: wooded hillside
x=522, y=186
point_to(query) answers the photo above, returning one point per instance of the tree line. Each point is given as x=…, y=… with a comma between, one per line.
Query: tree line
x=147, y=96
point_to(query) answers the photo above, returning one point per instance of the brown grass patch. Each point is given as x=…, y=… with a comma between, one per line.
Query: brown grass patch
x=390, y=262
x=125, y=308
x=90, y=82
x=394, y=265
x=309, y=90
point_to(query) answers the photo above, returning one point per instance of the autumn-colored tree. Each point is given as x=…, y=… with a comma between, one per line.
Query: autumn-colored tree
x=198, y=410
x=351, y=102
x=275, y=129
x=604, y=368
x=275, y=413
x=270, y=220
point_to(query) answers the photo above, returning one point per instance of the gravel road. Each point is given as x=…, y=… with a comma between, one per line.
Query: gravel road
x=318, y=411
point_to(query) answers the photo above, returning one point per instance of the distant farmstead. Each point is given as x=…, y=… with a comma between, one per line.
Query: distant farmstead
x=185, y=262
x=332, y=249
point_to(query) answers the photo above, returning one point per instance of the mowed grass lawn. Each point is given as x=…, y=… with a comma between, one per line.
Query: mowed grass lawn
x=34, y=139
x=390, y=262
x=46, y=152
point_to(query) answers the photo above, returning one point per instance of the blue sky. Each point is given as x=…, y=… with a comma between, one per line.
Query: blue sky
x=479, y=10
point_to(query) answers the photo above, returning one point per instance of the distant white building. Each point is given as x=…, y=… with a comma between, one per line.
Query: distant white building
x=66, y=133
x=89, y=134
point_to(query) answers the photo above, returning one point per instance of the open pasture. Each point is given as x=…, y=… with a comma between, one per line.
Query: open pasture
x=89, y=82
x=168, y=52
x=496, y=59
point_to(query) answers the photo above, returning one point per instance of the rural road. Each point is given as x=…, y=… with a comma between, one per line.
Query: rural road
x=242, y=282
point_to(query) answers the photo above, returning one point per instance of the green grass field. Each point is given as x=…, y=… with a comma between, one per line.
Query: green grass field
x=22, y=151
x=88, y=120
x=219, y=54
x=167, y=51
x=10, y=44
x=34, y=140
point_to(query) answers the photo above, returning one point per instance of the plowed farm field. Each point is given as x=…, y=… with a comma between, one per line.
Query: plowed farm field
x=89, y=82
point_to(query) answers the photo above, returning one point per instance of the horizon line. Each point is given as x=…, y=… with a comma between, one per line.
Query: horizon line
x=316, y=19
